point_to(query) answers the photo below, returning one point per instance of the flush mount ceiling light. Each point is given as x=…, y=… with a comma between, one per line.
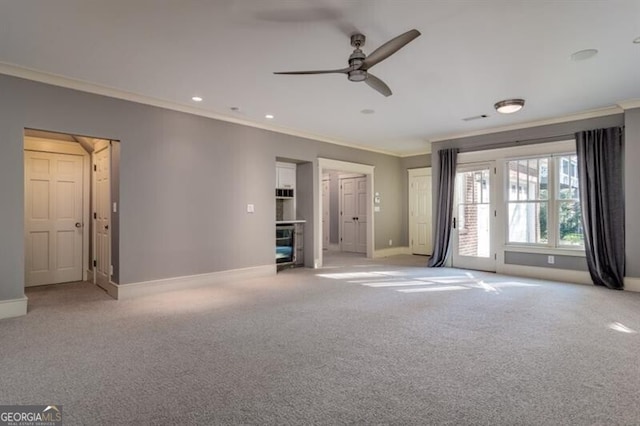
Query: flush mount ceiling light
x=509, y=106
x=196, y=99
x=585, y=54
x=269, y=117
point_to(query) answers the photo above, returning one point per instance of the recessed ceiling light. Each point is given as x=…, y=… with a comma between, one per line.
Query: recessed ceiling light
x=367, y=111
x=196, y=99
x=582, y=55
x=636, y=40
x=269, y=117
x=509, y=106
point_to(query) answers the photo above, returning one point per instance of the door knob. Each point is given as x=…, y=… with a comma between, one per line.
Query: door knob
x=106, y=227
x=78, y=225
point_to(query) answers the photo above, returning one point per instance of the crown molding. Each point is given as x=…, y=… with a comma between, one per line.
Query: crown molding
x=629, y=104
x=84, y=86
x=600, y=112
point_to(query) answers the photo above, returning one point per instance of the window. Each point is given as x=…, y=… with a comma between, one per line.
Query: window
x=543, y=207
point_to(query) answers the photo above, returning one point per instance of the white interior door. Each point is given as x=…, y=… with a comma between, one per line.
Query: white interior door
x=473, y=215
x=353, y=210
x=420, y=228
x=326, y=217
x=102, y=215
x=53, y=218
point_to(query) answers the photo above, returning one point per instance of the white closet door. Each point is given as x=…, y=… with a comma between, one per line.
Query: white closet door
x=53, y=218
x=102, y=210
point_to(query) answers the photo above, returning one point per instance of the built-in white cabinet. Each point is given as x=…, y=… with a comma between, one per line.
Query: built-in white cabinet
x=285, y=175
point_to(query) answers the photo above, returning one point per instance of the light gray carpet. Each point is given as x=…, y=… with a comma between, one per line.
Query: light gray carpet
x=350, y=346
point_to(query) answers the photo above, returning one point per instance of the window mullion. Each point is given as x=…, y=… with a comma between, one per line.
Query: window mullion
x=552, y=225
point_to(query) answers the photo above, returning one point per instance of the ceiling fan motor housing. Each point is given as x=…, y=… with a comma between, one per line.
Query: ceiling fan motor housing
x=355, y=62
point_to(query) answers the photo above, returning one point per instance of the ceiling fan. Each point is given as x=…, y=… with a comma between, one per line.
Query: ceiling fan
x=359, y=63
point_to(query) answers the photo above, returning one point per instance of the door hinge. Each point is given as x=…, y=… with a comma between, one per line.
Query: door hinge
x=495, y=170
x=95, y=263
x=495, y=213
x=495, y=256
x=95, y=215
x=340, y=238
x=95, y=168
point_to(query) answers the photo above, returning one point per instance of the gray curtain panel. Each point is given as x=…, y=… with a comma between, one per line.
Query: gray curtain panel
x=446, y=184
x=600, y=162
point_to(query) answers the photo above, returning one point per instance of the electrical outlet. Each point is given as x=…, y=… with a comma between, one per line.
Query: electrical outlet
x=390, y=242
x=551, y=260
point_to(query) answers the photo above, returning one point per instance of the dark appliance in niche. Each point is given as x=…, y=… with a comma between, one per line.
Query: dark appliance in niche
x=285, y=244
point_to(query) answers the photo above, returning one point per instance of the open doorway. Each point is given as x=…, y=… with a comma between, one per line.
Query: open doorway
x=68, y=209
x=346, y=225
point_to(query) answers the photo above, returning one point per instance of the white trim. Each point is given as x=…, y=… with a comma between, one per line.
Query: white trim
x=551, y=274
x=321, y=165
x=629, y=104
x=146, y=288
x=600, y=112
x=632, y=284
x=556, y=251
x=110, y=287
x=13, y=307
x=391, y=251
x=84, y=86
x=334, y=247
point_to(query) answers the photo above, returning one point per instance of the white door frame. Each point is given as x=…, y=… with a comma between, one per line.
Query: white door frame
x=323, y=165
x=62, y=147
x=413, y=173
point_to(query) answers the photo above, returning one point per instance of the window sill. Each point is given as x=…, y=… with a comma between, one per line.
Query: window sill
x=577, y=252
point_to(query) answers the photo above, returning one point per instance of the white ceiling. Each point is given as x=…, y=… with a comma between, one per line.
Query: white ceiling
x=470, y=55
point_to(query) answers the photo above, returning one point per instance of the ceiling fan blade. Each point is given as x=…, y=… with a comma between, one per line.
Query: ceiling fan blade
x=389, y=48
x=341, y=71
x=378, y=84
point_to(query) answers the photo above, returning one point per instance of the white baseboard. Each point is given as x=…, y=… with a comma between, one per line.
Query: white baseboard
x=111, y=288
x=632, y=284
x=13, y=307
x=334, y=247
x=391, y=251
x=145, y=288
x=551, y=274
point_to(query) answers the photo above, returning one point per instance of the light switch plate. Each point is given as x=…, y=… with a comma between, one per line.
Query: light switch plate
x=250, y=208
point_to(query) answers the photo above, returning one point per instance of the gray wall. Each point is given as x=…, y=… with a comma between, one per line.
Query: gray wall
x=563, y=131
x=631, y=182
x=184, y=184
x=304, y=207
x=574, y=263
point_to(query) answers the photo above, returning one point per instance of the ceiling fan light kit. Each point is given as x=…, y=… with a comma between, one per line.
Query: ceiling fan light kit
x=359, y=63
x=509, y=106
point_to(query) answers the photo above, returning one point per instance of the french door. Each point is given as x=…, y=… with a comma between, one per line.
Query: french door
x=473, y=217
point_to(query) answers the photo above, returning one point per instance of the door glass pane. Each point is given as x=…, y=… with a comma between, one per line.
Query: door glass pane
x=474, y=214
